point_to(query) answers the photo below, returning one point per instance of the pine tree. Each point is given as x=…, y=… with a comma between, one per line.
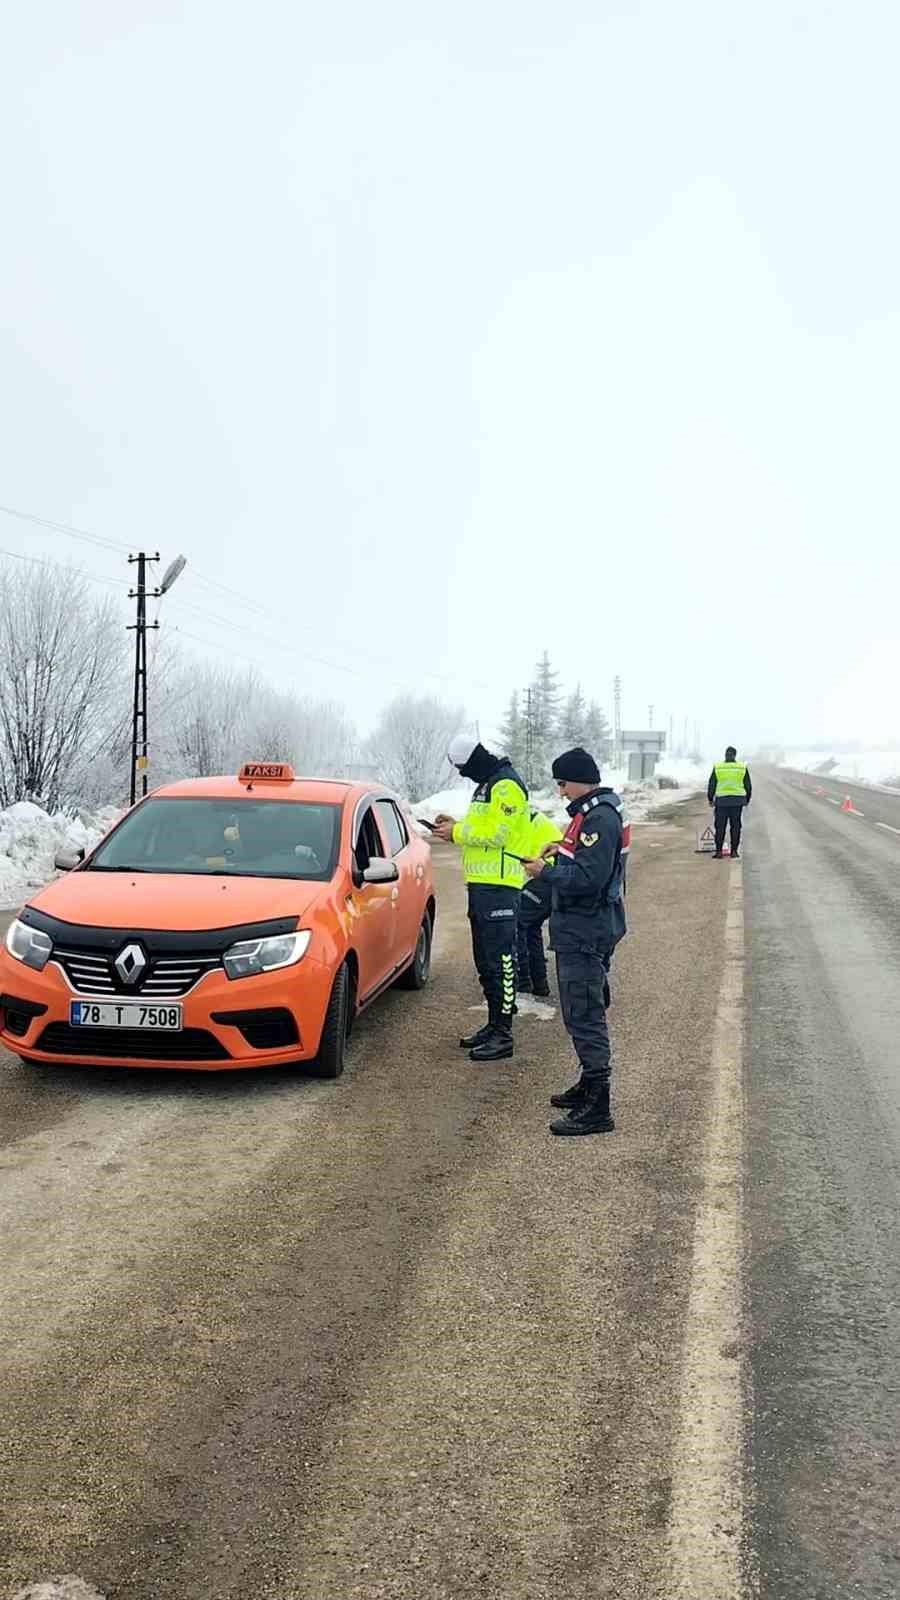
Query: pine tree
x=573, y=723
x=597, y=734
x=544, y=722
x=512, y=735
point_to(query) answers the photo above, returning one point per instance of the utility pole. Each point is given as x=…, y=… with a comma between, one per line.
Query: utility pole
x=139, y=711
x=617, y=720
x=139, y=629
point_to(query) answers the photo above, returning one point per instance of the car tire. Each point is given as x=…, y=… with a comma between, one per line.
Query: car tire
x=416, y=976
x=332, y=1054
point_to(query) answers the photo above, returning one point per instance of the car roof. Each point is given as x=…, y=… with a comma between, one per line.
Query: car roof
x=315, y=791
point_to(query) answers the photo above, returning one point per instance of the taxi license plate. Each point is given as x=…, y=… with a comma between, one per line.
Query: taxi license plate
x=112, y=1014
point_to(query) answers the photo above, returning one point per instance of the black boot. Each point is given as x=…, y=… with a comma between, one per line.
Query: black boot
x=478, y=1037
x=590, y=1117
x=571, y=1097
x=541, y=994
x=496, y=1047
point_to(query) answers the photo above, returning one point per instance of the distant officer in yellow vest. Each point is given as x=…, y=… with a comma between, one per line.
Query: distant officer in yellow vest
x=729, y=790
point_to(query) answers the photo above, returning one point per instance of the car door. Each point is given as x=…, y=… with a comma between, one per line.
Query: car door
x=410, y=902
x=374, y=906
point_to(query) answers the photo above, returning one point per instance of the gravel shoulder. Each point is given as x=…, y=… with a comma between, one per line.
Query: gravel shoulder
x=371, y=1339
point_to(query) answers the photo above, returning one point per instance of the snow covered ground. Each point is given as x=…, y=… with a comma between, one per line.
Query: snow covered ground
x=29, y=841
x=863, y=766
x=640, y=798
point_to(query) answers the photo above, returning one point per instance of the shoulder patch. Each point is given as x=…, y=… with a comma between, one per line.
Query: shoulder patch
x=589, y=840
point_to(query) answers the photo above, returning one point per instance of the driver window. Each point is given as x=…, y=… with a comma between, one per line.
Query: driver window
x=368, y=840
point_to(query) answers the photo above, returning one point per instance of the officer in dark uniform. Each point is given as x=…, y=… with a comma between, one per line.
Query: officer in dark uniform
x=587, y=921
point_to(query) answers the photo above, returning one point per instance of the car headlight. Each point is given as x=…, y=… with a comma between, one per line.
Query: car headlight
x=251, y=956
x=29, y=945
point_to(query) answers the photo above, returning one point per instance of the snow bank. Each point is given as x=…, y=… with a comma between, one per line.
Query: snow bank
x=29, y=841
x=863, y=766
x=685, y=774
x=452, y=802
x=64, y=1588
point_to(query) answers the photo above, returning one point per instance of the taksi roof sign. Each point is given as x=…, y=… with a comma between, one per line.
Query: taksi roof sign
x=266, y=772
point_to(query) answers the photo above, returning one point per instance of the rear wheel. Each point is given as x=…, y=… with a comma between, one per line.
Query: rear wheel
x=336, y=1028
x=417, y=975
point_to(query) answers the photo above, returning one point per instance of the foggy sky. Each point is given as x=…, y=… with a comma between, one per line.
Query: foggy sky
x=454, y=333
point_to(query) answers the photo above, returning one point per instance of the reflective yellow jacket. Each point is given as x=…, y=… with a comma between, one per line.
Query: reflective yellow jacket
x=495, y=829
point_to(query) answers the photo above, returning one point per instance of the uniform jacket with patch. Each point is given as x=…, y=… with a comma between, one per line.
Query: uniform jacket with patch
x=588, y=912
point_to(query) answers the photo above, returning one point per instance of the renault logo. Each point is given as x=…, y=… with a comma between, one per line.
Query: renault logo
x=130, y=964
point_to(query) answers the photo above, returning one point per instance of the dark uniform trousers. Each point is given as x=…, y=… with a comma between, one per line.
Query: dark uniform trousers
x=729, y=812
x=584, y=996
x=493, y=914
x=534, y=909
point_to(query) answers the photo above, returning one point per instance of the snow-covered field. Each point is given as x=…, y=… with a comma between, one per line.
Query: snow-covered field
x=29, y=841
x=640, y=798
x=863, y=766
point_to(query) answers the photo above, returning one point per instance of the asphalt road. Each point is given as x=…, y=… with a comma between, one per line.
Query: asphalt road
x=822, y=1197
x=266, y=1336
x=879, y=808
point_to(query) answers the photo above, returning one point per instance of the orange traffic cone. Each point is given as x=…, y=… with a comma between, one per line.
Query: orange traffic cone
x=846, y=803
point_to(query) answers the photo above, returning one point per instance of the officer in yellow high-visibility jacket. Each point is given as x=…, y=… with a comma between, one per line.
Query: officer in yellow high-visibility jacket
x=729, y=790
x=494, y=838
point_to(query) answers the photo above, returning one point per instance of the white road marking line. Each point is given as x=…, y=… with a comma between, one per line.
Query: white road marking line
x=707, y=1511
x=888, y=826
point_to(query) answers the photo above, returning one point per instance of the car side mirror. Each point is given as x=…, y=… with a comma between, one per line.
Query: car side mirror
x=380, y=870
x=66, y=860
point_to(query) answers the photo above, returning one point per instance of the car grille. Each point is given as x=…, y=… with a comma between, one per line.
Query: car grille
x=133, y=1044
x=166, y=978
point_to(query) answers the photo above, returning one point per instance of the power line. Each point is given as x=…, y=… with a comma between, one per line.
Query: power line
x=66, y=528
x=246, y=601
x=40, y=561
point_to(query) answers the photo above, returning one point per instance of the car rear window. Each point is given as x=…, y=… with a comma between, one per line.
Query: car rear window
x=244, y=838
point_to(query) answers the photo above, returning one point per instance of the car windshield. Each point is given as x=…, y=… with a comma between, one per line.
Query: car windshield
x=244, y=838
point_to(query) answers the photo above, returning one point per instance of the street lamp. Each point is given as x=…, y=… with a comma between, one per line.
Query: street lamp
x=140, y=626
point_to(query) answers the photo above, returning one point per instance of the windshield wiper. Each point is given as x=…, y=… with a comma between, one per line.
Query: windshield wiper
x=101, y=868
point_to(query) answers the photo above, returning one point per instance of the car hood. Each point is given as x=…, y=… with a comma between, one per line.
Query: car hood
x=171, y=901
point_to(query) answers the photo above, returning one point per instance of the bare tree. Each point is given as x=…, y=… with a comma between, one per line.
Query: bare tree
x=227, y=718
x=62, y=672
x=409, y=745
x=208, y=738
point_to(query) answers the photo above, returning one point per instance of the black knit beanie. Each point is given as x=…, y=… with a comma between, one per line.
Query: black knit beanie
x=576, y=766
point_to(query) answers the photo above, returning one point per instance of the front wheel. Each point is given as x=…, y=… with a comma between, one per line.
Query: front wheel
x=332, y=1054
x=417, y=975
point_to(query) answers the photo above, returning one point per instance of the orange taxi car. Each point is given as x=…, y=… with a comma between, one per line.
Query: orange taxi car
x=223, y=922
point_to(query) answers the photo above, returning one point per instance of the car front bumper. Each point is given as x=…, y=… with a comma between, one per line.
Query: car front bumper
x=269, y=1020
